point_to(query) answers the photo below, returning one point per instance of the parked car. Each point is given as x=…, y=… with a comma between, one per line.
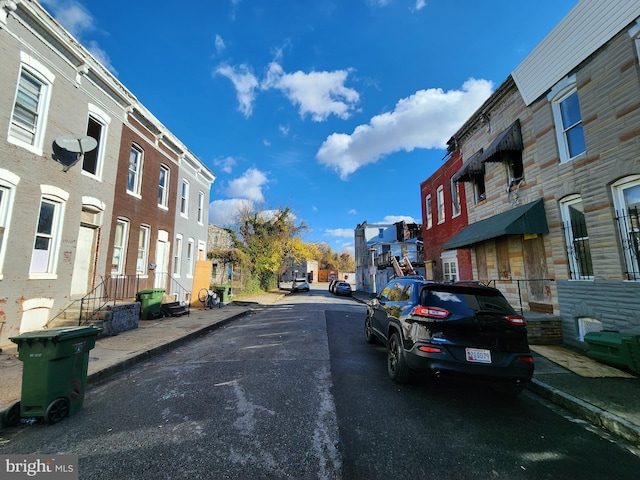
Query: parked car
x=300, y=285
x=332, y=284
x=342, y=288
x=462, y=328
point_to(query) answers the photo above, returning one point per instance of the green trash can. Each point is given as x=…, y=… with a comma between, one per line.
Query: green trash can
x=150, y=303
x=614, y=348
x=223, y=293
x=54, y=371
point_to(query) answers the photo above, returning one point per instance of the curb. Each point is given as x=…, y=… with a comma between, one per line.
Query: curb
x=606, y=420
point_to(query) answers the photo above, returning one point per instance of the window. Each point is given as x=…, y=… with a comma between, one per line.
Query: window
x=200, y=208
x=8, y=182
x=626, y=196
x=429, y=213
x=479, y=189
x=440, y=201
x=449, y=267
x=96, y=128
x=163, y=187
x=120, y=239
x=28, y=119
x=47, y=241
x=576, y=238
x=184, y=199
x=177, y=254
x=455, y=199
x=190, y=249
x=380, y=232
x=568, y=119
x=135, y=170
x=143, y=250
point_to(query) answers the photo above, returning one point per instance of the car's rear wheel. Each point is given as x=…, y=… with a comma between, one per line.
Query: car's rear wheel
x=397, y=366
x=369, y=336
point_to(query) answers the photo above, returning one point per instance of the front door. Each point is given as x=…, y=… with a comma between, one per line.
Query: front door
x=83, y=265
x=163, y=251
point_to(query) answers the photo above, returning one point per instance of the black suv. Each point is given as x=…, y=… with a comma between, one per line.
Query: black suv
x=450, y=328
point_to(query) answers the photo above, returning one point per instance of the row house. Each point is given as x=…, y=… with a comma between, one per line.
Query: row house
x=444, y=213
x=219, y=239
x=379, y=246
x=551, y=174
x=69, y=220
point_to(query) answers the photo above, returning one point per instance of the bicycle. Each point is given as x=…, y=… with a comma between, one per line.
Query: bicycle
x=208, y=298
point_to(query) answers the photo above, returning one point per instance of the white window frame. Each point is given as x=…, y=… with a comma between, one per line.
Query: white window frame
x=190, y=250
x=134, y=171
x=201, y=207
x=177, y=255
x=37, y=72
x=621, y=207
x=163, y=188
x=142, y=262
x=634, y=33
x=440, y=204
x=8, y=183
x=450, y=272
x=456, y=208
x=100, y=117
x=560, y=93
x=121, y=248
x=428, y=211
x=44, y=266
x=184, y=198
x=575, y=267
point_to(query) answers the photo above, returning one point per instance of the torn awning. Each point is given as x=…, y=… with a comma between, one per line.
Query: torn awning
x=529, y=218
x=510, y=140
x=471, y=166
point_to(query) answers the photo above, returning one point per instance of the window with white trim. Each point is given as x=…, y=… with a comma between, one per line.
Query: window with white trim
x=449, y=266
x=429, y=213
x=455, y=199
x=190, y=250
x=626, y=197
x=120, y=239
x=163, y=187
x=177, y=254
x=576, y=238
x=201, y=208
x=184, y=198
x=568, y=119
x=142, y=261
x=47, y=239
x=134, y=178
x=440, y=202
x=97, y=125
x=31, y=104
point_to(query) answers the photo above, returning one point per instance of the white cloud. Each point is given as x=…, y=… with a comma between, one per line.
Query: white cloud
x=100, y=55
x=340, y=232
x=398, y=218
x=245, y=84
x=420, y=4
x=248, y=186
x=225, y=164
x=352, y=211
x=426, y=119
x=319, y=94
x=71, y=15
x=224, y=213
x=219, y=43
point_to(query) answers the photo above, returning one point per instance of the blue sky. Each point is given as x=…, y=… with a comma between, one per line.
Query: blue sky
x=337, y=109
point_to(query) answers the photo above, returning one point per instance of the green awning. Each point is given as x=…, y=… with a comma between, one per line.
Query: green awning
x=529, y=218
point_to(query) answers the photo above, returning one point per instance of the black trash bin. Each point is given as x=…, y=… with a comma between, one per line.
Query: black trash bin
x=54, y=372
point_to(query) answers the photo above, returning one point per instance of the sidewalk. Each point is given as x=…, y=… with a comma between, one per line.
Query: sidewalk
x=603, y=395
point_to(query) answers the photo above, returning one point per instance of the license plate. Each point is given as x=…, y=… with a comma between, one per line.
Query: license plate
x=477, y=355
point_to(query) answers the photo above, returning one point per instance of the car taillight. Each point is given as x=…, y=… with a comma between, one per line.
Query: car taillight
x=424, y=348
x=526, y=359
x=515, y=319
x=431, y=312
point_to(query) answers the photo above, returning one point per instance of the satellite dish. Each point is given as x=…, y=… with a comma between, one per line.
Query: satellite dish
x=69, y=149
